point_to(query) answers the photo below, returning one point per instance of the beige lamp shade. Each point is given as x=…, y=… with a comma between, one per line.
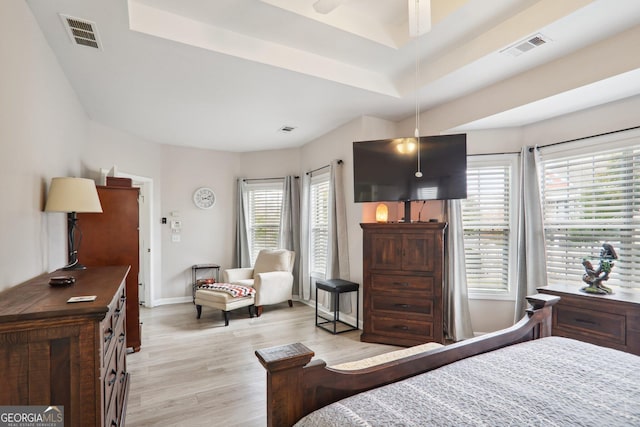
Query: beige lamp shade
x=73, y=195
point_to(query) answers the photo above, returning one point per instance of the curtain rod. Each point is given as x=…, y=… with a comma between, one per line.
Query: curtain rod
x=322, y=167
x=584, y=137
x=493, y=154
x=266, y=179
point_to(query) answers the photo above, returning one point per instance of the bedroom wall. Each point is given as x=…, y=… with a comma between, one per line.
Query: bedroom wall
x=42, y=128
x=207, y=236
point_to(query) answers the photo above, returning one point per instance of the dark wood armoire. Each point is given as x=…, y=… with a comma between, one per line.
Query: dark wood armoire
x=111, y=238
x=402, y=283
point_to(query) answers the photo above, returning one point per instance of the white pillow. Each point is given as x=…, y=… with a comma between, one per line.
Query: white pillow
x=272, y=260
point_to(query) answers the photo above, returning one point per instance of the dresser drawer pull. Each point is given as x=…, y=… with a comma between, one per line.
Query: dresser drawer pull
x=123, y=298
x=114, y=423
x=114, y=376
x=404, y=284
x=121, y=337
x=108, y=338
x=588, y=322
x=401, y=327
x=123, y=375
x=403, y=305
x=117, y=313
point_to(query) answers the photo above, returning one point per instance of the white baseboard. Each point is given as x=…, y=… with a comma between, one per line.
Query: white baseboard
x=348, y=318
x=176, y=300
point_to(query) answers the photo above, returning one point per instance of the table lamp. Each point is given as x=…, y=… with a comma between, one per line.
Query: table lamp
x=73, y=195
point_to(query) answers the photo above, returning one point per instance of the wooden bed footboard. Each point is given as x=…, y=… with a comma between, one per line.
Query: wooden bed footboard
x=297, y=386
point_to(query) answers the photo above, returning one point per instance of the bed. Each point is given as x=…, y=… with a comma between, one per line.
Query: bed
x=518, y=376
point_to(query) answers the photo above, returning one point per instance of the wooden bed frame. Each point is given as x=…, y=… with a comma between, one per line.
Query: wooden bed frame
x=297, y=386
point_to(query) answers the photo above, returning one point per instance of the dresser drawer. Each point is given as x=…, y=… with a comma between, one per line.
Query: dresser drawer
x=402, y=304
x=590, y=324
x=398, y=327
x=113, y=324
x=397, y=282
x=111, y=413
x=110, y=380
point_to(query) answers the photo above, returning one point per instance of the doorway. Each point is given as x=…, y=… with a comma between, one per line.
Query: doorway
x=146, y=276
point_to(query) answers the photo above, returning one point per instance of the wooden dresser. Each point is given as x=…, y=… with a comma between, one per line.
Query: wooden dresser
x=607, y=320
x=67, y=354
x=402, y=283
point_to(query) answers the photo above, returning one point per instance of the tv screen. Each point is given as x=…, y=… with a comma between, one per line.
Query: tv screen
x=385, y=170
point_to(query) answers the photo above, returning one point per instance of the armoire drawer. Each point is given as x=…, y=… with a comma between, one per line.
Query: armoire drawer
x=419, y=304
x=398, y=282
x=399, y=326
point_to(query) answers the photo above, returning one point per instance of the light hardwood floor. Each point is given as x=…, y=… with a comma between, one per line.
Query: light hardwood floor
x=197, y=372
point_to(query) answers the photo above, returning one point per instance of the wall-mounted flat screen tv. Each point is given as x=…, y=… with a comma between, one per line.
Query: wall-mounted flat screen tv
x=385, y=170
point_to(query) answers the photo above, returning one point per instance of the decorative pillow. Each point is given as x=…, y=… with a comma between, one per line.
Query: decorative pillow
x=272, y=260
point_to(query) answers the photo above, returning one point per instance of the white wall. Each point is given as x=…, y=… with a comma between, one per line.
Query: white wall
x=42, y=128
x=207, y=235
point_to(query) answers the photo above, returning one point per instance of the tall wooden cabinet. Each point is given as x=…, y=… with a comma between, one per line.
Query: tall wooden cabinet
x=55, y=353
x=111, y=238
x=402, y=283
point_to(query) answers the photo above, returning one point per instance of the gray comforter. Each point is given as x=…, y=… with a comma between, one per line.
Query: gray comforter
x=548, y=382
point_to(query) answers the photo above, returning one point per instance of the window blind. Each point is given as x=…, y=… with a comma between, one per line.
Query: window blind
x=264, y=210
x=590, y=199
x=319, y=222
x=487, y=226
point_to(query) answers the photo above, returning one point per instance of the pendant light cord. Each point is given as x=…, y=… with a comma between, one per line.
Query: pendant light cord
x=417, y=70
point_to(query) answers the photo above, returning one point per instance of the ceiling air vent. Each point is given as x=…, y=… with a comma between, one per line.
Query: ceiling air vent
x=286, y=129
x=526, y=45
x=81, y=31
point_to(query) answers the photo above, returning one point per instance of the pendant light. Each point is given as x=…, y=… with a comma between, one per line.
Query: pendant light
x=416, y=132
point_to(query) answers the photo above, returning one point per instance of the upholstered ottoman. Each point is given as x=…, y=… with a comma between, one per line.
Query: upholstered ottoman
x=225, y=297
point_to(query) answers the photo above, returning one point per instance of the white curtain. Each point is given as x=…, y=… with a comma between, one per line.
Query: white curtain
x=242, y=256
x=304, y=276
x=457, y=320
x=338, y=248
x=290, y=224
x=532, y=266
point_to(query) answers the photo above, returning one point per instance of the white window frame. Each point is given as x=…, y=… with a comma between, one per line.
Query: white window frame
x=256, y=186
x=590, y=147
x=318, y=178
x=511, y=161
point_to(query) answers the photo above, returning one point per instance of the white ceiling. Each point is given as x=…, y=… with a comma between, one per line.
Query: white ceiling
x=227, y=74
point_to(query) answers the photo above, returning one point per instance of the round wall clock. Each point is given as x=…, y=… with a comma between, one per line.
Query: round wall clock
x=204, y=198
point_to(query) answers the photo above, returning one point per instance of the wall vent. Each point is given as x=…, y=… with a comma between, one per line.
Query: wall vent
x=81, y=31
x=286, y=129
x=526, y=45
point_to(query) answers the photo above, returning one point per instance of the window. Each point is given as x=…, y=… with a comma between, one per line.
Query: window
x=319, y=224
x=489, y=222
x=264, y=207
x=592, y=196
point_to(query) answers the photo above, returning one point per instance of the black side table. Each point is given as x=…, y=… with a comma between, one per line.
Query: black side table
x=337, y=287
x=194, y=275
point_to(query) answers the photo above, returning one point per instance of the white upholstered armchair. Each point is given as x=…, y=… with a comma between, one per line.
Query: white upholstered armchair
x=271, y=277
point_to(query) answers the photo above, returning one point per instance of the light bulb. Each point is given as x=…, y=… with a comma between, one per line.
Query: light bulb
x=418, y=174
x=416, y=133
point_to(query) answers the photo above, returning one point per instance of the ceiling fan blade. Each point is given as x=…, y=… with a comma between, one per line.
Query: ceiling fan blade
x=419, y=17
x=326, y=6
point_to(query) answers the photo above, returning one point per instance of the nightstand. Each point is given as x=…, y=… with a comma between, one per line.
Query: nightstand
x=606, y=320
